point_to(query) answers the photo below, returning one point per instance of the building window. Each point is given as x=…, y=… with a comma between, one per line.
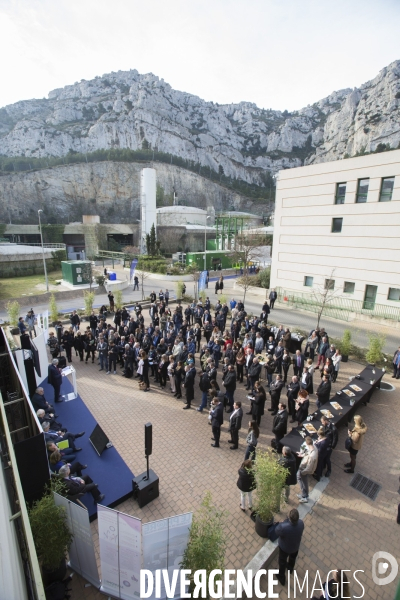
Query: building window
x=394, y=294
x=308, y=281
x=362, y=191
x=329, y=284
x=340, y=193
x=349, y=287
x=387, y=186
x=337, y=225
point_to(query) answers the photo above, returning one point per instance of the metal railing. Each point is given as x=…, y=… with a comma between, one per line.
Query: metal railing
x=53, y=245
x=338, y=308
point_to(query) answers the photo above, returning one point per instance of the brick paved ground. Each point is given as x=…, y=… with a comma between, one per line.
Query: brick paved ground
x=343, y=530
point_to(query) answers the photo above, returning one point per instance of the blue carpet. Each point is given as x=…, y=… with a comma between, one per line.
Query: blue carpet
x=108, y=470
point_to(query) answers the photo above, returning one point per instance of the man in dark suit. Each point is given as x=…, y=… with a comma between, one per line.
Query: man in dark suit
x=288, y=460
x=289, y=538
x=279, y=426
x=54, y=378
x=248, y=363
x=60, y=436
x=254, y=373
x=298, y=363
x=292, y=392
x=272, y=297
x=39, y=401
x=275, y=390
x=229, y=382
x=324, y=391
x=80, y=485
x=235, y=424
x=189, y=385
x=217, y=418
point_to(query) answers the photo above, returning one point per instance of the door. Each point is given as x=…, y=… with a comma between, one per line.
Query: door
x=370, y=297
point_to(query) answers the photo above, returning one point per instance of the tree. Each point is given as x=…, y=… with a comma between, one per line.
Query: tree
x=246, y=252
x=324, y=295
x=152, y=245
x=207, y=541
x=246, y=282
x=195, y=273
x=87, y=273
x=143, y=275
x=53, y=309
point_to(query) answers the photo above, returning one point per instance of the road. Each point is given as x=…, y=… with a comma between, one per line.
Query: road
x=287, y=316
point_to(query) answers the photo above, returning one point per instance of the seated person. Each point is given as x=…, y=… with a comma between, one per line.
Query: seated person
x=59, y=436
x=54, y=425
x=67, y=454
x=79, y=485
x=56, y=461
x=39, y=401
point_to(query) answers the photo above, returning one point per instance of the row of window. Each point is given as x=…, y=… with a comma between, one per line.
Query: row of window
x=349, y=287
x=386, y=191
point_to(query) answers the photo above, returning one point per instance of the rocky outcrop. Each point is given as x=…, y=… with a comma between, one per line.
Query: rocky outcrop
x=109, y=189
x=129, y=110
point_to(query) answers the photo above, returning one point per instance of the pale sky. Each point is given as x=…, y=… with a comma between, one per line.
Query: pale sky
x=281, y=54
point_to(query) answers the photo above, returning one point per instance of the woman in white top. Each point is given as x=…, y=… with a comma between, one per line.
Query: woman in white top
x=171, y=373
x=336, y=358
x=311, y=369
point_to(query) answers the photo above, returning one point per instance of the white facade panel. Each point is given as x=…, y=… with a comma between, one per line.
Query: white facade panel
x=365, y=251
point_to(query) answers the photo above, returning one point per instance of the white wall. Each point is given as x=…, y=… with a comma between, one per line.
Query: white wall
x=148, y=199
x=366, y=251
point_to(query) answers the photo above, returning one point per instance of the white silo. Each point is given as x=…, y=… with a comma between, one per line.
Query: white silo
x=147, y=202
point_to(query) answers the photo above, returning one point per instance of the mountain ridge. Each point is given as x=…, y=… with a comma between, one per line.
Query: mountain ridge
x=129, y=110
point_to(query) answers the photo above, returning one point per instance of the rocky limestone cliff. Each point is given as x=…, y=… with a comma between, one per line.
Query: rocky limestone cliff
x=129, y=110
x=109, y=189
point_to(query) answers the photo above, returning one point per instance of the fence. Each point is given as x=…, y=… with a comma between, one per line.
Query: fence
x=344, y=309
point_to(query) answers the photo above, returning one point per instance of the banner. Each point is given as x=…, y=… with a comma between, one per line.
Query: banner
x=132, y=269
x=202, y=280
x=164, y=543
x=120, y=553
x=82, y=558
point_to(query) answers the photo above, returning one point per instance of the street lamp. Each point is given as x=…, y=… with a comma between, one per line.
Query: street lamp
x=41, y=241
x=205, y=243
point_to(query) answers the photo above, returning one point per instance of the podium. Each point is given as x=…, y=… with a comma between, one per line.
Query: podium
x=70, y=371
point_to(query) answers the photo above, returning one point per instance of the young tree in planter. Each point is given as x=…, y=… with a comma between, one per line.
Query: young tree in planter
x=207, y=540
x=143, y=275
x=324, y=295
x=118, y=299
x=50, y=531
x=88, y=299
x=376, y=344
x=87, y=273
x=345, y=345
x=270, y=478
x=53, y=309
x=13, y=311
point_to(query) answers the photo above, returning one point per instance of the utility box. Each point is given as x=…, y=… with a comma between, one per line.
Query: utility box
x=76, y=272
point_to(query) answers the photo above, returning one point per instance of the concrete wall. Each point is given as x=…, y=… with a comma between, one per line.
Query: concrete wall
x=365, y=252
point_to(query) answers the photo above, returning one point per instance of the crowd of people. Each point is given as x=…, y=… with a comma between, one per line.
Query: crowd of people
x=215, y=349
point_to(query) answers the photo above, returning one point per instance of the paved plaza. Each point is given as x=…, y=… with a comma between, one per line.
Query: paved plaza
x=343, y=530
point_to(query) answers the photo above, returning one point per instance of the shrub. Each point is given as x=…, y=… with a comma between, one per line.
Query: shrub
x=179, y=289
x=270, y=477
x=265, y=277
x=376, y=344
x=118, y=299
x=88, y=298
x=345, y=343
x=13, y=310
x=207, y=541
x=53, y=309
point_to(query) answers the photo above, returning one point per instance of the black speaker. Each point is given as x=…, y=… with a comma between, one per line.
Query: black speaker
x=148, y=439
x=25, y=341
x=145, y=490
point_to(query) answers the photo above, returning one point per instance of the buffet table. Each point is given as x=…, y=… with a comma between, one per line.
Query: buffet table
x=342, y=414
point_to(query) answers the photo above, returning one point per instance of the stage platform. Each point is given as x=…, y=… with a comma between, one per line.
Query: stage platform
x=108, y=470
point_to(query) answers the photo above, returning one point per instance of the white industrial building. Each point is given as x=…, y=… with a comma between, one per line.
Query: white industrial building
x=342, y=216
x=173, y=216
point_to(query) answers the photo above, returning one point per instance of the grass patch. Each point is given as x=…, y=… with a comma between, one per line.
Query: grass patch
x=15, y=287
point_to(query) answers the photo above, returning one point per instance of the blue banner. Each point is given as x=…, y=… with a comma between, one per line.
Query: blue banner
x=202, y=280
x=133, y=267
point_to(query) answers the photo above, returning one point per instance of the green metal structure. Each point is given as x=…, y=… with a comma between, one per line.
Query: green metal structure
x=226, y=230
x=214, y=258
x=75, y=271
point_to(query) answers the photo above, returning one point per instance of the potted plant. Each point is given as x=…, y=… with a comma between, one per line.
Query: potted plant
x=118, y=299
x=270, y=478
x=345, y=345
x=376, y=344
x=88, y=298
x=53, y=310
x=207, y=540
x=13, y=310
x=51, y=536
